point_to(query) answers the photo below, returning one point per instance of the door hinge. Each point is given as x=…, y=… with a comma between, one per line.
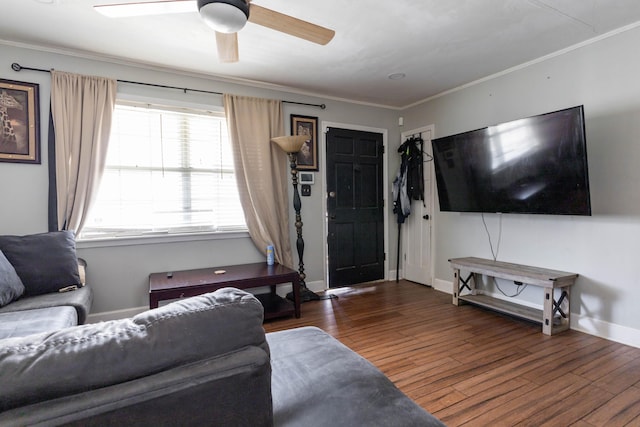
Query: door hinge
x=384, y=256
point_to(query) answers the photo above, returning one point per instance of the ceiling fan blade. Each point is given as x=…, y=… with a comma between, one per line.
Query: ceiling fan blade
x=289, y=25
x=123, y=10
x=227, y=47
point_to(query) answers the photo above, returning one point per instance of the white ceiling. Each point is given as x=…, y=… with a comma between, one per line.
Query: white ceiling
x=438, y=44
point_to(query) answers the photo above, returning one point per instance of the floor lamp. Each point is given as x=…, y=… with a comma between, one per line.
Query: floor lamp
x=292, y=145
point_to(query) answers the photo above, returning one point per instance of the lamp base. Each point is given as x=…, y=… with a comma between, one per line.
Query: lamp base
x=305, y=295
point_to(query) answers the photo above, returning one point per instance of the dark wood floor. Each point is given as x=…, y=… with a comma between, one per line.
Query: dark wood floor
x=472, y=367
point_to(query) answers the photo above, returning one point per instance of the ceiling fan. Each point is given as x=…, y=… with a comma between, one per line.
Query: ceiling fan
x=226, y=17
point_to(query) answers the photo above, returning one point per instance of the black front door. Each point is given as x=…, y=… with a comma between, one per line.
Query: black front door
x=355, y=206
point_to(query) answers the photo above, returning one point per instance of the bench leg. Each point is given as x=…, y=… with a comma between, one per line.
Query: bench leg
x=456, y=285
x=547, y=312
x=552, y=324
x=466, y=283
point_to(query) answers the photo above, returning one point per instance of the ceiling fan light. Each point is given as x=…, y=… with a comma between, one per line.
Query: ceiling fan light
x=224, y=16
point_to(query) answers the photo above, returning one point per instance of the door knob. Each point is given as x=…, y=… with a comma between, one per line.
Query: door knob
x=332, y=194
x=425, y=216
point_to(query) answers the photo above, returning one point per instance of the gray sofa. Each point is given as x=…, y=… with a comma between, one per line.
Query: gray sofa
x=42, y=284
x=204, y=360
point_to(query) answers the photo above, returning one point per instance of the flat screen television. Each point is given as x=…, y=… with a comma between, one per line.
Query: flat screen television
x=536, y=165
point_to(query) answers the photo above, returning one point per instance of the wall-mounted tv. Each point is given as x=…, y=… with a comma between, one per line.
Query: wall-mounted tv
x=536, y=165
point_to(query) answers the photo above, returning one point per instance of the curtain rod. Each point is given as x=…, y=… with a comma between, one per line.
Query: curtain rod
x=17, y=67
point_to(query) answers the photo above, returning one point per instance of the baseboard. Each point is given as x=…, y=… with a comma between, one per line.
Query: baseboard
x=443, y=286
x=317, y=286
x=602, y=329
x=598, y=328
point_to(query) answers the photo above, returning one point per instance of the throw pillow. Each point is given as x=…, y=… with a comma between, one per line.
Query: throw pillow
x=45, y=262
x=11, y=286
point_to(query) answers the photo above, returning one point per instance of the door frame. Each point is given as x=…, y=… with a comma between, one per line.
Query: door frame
x=433, y=190
x=385, y=189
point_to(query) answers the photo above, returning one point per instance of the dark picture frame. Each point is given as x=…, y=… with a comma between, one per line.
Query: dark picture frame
x=19, y=122
x=308, y=155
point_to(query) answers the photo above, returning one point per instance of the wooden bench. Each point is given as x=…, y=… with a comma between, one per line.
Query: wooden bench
x=556, y=314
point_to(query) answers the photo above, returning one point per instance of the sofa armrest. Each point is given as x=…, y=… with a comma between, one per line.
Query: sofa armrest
x=230, y=390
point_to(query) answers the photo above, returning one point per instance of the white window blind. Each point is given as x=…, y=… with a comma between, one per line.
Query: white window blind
x=167, y=171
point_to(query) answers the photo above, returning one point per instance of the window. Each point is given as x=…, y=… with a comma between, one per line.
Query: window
x=167, y=171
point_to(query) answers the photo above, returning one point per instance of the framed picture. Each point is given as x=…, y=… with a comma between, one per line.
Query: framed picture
x=308, y=155
x=19, y=118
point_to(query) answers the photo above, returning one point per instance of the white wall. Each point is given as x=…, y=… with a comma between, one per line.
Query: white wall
x=119, y=274
x=604, y=76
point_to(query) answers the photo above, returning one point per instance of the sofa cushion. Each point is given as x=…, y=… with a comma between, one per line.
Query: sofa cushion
x=45, y=262
x=317, y=381
x=46, y=366
x=11, y=286
x=80, y=299
x=28, y=322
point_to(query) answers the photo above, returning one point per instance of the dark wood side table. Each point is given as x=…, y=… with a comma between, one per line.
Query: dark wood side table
x=188, y=283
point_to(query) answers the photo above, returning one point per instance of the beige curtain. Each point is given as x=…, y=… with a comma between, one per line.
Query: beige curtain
x=82, y=108
x=262, y=170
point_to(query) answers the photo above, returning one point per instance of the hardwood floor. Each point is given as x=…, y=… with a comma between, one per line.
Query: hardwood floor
x=471, y=367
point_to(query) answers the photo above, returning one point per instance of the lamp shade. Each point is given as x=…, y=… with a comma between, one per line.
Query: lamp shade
x=224, y=16
x=290, y=144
